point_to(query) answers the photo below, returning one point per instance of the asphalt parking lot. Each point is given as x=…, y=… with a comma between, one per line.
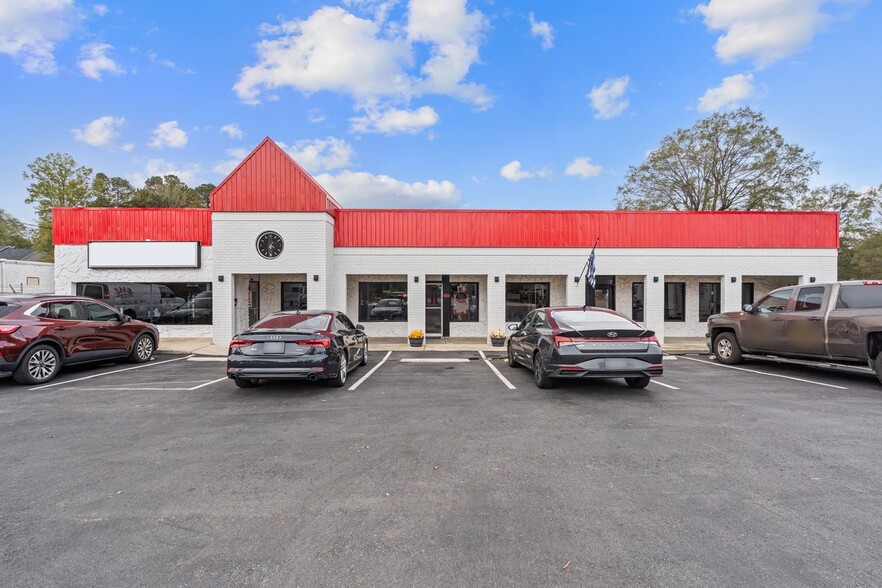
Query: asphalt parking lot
x=440, y=473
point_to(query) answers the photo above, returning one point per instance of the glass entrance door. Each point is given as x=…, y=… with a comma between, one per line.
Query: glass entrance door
x=434, y=310
x=253, y=302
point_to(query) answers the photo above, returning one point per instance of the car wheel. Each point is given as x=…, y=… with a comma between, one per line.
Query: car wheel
x=539, y=372
x=879, y=367
x=38, y=365
x=143, y=349
x=640, y=382
x=364, y=354
x=245, y=382
x=512, y=361
x=340, y=380
x=726, y=348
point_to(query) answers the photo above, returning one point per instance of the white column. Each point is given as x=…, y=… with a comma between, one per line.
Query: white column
x=495, y=307
x=575, y=292
x=416, y=302
x=222, y=310
x=654, y=304
x=730, y=294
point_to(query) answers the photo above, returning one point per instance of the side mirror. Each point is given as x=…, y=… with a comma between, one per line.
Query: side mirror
x=125, y=319
x=512, y=327
x=359, y=328
x=747, y=308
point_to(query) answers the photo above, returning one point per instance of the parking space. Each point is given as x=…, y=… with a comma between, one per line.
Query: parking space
x=456, y=471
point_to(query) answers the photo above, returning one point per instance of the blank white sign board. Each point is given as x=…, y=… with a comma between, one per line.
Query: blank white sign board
x=143, y=254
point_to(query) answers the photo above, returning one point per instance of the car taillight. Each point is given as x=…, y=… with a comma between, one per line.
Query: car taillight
x=315, y=342
x=649, y=340
x=9, y=329
x=241, y=343
x=558, y=340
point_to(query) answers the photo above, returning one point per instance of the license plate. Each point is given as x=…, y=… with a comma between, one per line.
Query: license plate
x=274, y=348
x=616, y=363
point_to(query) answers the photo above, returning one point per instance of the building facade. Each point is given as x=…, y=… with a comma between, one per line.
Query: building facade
x=273, y=239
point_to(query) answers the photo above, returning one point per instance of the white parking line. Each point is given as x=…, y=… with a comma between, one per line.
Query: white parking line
x=434, y=360
x=137, y=367
x=368, y=375
x=207, y=358
x=663, y=384
x=207, y=384
x=732, y=367
x=496, y=371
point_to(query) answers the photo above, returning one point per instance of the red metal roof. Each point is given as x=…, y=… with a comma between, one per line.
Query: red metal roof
x=535, y=228
x=269, y=180
x=78, y=226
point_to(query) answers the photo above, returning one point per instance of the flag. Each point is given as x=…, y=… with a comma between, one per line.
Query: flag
x=592, y=270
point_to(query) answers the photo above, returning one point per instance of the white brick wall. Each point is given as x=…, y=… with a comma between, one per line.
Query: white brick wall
x=14, y=276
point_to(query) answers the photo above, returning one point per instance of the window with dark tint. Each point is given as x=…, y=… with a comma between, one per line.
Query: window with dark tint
x=382, y=301
x=60, y=310
x=809, y=299
x=708, y=299
x=637, y=301
x=294, y=296
x=774, y=302
x=99, y=312
x=860, y=296
x=521, y=298
x=346, y=322
x=746, y=293
x=539, y=320
x=187, y=303
x=463, y=302
x=675, y=301
x=306, y=321
x=6, y=308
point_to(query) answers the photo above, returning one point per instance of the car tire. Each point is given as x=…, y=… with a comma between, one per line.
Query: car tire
x=726, y=349
x=38, y=365
x=638, y=382
x=339, y=380
x=245, y=382
x=540, y=374
x=143, y=349
x=512, y=360
x=879, y=367
x=364, y=355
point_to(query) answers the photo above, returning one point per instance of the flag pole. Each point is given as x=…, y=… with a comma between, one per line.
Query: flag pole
x=585, y=267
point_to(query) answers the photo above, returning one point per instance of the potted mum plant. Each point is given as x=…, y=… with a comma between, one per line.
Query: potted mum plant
x=497, y=338
x=416, y=338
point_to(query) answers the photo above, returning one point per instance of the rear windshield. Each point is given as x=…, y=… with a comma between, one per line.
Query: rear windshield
x=318, y=322
x=6, y=308
x=860, y=296
x=586, y=319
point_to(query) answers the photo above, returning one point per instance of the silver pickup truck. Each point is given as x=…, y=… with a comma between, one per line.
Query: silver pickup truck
x=839, y=323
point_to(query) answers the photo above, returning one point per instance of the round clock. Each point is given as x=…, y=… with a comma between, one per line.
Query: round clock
x=269, y=244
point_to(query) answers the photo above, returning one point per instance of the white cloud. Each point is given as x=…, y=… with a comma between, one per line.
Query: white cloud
x=236, y=155
x=729, y=93
x=378, y=9
x=394, y=121
x=335, y=50
x=232, y=131
x=100, y=9
x=365, y=190
x=169, y=134
x=127, y=146
x=764, y=31
x=153, y=57
x=29, y=31
x=514, y=172
x=94, y=61
x=321, y=154
x=582, y=167
x=316, y=116
x=543, y=30
x=608, y=99
x=189, y=173
x=100, y=132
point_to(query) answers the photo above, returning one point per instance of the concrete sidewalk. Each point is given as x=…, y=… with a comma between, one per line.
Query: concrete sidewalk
x=204, y=346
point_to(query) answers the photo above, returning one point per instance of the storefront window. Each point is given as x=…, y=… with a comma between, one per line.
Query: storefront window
x=637, y=301
x=521, y=298
x=175, y=303
x=382, y=301
x=294, y=296
x=746, y=293
x=708, y=299
x=464, y=302
x=675, y=301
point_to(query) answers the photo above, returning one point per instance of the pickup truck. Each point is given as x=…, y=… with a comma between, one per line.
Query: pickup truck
x=832, y=323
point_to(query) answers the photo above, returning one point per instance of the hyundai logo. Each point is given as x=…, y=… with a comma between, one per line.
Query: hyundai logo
x=274, y=337
x=612, y=334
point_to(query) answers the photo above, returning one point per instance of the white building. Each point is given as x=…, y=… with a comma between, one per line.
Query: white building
x=274, y=239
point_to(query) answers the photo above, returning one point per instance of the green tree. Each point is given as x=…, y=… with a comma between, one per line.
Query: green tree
x=866, y=259
x=202, y=193
x=727, y=161
x=166, y=192
x=107, y=191
x=55, y=180
x=13, y=231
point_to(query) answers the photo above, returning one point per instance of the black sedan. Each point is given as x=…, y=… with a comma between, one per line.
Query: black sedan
x=308, y=344
x=388, y=309
x=586, y=342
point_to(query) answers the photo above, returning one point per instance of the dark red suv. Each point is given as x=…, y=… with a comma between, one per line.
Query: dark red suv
x=40, y=334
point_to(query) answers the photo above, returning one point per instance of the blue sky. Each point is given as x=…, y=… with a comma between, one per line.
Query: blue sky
x=427, y=103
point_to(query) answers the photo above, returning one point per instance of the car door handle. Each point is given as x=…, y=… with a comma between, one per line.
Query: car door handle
x=815, y=319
